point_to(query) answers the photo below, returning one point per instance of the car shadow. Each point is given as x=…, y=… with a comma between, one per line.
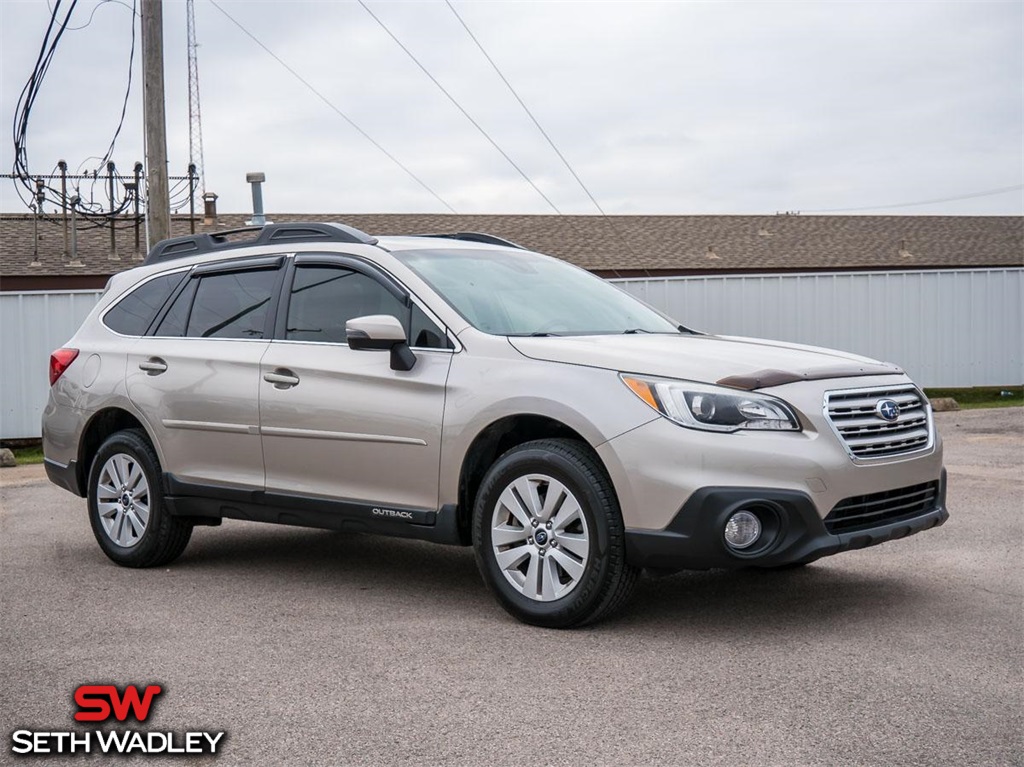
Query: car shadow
x=825, y=593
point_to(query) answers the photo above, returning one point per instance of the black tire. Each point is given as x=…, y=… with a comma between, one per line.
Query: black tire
x=164, y=537
x=606, y=581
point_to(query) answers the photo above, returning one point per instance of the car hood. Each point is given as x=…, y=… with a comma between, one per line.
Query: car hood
x=744, y=363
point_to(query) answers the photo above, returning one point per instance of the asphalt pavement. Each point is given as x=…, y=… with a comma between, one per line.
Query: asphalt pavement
x=311, y=647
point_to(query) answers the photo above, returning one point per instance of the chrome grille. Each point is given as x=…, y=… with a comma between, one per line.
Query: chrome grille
x=863, y=512
x=867, y=435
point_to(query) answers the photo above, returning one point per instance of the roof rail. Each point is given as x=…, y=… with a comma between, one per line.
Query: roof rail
x=490, y=239
x=196, y=244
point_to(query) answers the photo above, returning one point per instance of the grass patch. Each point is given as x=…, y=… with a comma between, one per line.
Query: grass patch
x=981, y=396
x=26, y=455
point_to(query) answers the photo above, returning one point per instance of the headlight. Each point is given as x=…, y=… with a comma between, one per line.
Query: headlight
x=712, y=408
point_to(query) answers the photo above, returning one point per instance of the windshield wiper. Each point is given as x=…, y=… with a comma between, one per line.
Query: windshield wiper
x=634, y=331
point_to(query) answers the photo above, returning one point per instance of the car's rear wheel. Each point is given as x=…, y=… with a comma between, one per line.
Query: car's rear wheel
x=548, y=535
x=126, y=504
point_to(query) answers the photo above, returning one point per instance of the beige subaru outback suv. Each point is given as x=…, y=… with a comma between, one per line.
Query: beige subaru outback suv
x=462, y=390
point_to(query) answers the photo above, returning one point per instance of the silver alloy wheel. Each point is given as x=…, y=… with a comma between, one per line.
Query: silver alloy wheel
x=122, y=499
x=539, y=537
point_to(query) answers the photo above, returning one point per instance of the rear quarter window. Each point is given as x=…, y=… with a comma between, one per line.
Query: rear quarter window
x=134, y=313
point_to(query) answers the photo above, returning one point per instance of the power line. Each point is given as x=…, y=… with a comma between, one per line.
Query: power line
x=526, y=109
x=28, y=95
x=127, y=90
x=341, y=114
x=968, y=196
x=94, y=9
x=544, y=133
x=43, y=192
x=459, y=106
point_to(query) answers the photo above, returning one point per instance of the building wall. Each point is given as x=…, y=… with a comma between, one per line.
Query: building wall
x=31, y=326
x=946, y=328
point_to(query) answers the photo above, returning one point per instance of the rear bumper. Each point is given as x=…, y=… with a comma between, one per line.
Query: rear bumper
x=65, y=476
x=694, y=539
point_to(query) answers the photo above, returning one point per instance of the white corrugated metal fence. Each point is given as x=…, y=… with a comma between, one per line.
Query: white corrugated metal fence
x=946, y=328
x=31, y=326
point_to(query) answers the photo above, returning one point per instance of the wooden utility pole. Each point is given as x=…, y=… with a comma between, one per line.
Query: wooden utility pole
x=158, y=205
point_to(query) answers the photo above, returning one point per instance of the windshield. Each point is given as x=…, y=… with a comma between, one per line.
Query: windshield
x=518, y=293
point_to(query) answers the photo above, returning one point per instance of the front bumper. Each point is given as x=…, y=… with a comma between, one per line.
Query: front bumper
x=694, y=539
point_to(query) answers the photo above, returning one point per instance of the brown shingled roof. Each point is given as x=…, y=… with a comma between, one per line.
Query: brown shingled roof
x=628, y=245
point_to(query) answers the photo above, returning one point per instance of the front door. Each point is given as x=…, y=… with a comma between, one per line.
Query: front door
x=339, y=424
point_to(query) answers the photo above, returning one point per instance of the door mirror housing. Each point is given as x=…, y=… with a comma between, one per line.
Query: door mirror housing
x=381, y=332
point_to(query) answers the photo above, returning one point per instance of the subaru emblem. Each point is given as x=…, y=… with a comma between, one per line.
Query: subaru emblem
x=887, y=409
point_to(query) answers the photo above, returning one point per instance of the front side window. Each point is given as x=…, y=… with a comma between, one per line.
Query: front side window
x=324, y=298
x=132, y=315
x=232, y=305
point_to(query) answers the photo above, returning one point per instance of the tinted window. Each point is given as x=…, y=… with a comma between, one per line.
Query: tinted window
x=425, y=333
x=232, y=305
x=324, y=298
x=174, y=322
x=132, y=315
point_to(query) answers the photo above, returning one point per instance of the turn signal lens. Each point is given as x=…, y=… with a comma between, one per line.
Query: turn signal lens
x=60, y=361
x=642, y=389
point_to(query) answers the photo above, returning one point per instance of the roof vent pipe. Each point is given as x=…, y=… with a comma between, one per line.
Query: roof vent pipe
x=257, y=179
x=209, y=208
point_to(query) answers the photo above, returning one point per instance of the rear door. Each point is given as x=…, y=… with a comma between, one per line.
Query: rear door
x=341, y=425
x=196, y=378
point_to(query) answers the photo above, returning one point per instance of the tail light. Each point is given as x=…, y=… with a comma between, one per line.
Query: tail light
x=60, y=361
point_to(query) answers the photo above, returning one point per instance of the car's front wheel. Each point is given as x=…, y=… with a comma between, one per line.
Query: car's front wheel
x=548, y=535
x=126, y=504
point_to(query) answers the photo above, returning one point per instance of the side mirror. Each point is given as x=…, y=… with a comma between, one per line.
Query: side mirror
x=381, y=332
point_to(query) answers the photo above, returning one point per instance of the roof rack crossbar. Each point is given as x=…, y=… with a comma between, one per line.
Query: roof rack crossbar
x=196, y=244
x=489, y=239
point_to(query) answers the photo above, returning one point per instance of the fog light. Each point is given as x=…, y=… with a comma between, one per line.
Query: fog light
x=742, y=530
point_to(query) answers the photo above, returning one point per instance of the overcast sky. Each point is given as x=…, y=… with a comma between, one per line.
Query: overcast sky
x=660, y=107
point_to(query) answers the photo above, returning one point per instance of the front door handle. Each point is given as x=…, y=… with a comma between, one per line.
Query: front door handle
x=282, y=378
x=154, y=366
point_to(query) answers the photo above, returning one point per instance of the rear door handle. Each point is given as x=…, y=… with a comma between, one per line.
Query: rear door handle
x=154, y=366
x=281, y=378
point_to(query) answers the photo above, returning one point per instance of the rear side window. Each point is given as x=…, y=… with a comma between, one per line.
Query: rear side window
x=232, y=305
x=132, y=315
x=176, y=318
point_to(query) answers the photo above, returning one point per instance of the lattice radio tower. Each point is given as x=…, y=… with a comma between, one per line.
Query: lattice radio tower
x=195, y=118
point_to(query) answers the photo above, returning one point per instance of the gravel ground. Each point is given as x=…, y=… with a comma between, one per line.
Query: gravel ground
x=312, y=647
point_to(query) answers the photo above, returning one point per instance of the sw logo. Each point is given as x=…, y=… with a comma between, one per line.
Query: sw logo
x=97, y=702
x=102, y=703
